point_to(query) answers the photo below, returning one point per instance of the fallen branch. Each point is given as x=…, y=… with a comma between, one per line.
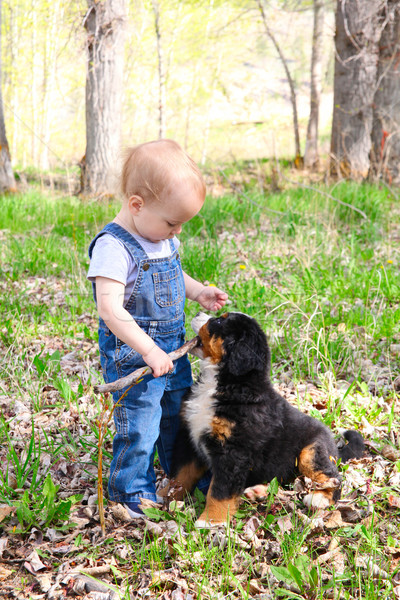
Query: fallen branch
x=133, y=377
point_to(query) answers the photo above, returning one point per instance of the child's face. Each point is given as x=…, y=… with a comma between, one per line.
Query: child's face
x=161, y=220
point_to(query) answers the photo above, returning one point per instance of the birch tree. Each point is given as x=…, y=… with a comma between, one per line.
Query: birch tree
x=161, y=72
x=104, y=23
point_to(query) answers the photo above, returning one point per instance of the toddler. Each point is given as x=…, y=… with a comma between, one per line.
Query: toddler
x=140, y=289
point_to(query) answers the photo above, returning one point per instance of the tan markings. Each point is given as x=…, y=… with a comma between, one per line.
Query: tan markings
x=218, y=511
x=306, y=468
x=225, y=315
x=184, y=482
x=306, y=464
x=221, y=428
x=212, y=346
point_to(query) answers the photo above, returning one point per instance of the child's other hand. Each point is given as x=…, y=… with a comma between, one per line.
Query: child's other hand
x=158, y=361
x=211, y=298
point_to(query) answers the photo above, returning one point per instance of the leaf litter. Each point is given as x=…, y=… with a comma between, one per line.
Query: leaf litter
x=274, y=545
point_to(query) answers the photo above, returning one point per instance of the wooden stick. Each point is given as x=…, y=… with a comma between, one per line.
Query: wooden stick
x=132, y=378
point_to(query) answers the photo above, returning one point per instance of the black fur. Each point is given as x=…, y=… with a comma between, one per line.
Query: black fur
x=267, y=435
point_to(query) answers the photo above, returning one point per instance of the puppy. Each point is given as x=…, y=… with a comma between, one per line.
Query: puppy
x=234, y=422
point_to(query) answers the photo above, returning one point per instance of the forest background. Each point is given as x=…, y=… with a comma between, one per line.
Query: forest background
x=226, y=93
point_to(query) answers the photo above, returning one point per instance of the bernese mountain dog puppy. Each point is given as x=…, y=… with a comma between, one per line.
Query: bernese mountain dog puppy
x=234, y=422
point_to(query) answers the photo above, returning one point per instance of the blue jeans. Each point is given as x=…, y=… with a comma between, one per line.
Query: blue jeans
x=143, y=423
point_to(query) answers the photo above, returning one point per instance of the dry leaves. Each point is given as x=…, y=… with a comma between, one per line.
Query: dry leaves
x=80, y=563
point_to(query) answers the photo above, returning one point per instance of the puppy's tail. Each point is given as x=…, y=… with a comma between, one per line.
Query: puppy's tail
x=354, y=448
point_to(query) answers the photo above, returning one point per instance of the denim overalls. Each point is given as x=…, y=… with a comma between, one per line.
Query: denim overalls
x=148, y=416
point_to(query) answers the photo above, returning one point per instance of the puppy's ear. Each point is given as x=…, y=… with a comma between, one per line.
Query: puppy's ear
x=249, y=353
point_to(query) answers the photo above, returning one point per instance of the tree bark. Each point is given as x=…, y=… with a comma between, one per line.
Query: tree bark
x=385, y=155
x=162, y=94
x=34, y=84
x=7, y=180
x=298, y=160
x=358, y=30
x=49, y=80
x=311, y=156
x=104, y=23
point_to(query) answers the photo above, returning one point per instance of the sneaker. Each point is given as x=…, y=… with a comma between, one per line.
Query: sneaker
x=134, y=510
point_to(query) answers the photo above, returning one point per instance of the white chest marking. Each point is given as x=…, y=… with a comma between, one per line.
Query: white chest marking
x=199, y=409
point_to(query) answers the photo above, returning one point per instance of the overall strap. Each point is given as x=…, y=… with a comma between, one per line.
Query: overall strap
x=171, y=247
x=130, y=243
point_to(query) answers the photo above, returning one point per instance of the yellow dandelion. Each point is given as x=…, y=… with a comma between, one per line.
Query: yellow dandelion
x=242, y=267
x=212, y=285
x=390, y=262
x=382, y=267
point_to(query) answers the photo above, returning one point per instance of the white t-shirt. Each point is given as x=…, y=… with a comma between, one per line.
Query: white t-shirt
x=111, y=259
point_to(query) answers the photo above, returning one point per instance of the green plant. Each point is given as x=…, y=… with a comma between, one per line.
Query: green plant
x=42, y=508
x=23, y=468
x=300, y=573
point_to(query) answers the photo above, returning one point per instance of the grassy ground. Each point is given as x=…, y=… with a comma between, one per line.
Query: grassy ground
x=324, y=282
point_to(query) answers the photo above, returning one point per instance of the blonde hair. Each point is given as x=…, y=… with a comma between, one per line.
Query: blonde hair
x=154, y=168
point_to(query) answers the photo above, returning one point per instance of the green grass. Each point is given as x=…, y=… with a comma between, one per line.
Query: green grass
x=324, y=283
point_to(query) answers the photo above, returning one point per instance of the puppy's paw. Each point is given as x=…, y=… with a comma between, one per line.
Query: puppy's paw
x=203, y=524
x=256, y=492
x=316, y=500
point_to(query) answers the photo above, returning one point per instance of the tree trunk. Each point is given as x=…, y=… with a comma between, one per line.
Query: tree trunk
x=49, y=80
x=311, y=157
x=298, y=159
x=358, y=31
x=161, y=73
x=385, y=155
x=7, y=181
x=34, y=84
x=104, y=23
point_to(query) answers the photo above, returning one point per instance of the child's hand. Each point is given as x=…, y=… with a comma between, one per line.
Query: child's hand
x=158, y=360
x=211, y=298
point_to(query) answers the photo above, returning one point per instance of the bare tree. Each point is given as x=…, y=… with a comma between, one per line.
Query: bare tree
x=358, y=30
x=104, y=22
x=273, y=39
x=7, y=180
x=311, y=156
x=161, y=72
x=385, y=155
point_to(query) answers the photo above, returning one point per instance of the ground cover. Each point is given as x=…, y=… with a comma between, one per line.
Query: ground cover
x=323, y=279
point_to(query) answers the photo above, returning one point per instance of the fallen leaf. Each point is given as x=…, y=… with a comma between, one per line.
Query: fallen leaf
x=366, y=563
x=33, y=563
x=4, y=573
x=6, y=511
x=285, y=524
x=390, y=453
x=120, y=513
x=254, y=587
x=45, y=581
x=394, y=501
x=3, y=545
x=334, y=520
